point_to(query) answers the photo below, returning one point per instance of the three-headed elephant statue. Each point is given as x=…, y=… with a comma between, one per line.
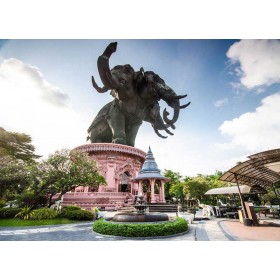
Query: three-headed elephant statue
x=136, y=99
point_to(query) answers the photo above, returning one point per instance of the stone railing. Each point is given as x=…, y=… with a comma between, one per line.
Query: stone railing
x=94, y=194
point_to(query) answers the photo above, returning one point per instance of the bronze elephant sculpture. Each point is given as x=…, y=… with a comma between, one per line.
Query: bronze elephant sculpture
x=136, y=96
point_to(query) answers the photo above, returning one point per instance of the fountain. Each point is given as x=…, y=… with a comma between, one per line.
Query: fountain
x=139, y=223
x=140, y=204
x=140, y=214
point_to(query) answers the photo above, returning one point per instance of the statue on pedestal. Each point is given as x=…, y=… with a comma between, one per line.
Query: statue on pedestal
x=136, y=99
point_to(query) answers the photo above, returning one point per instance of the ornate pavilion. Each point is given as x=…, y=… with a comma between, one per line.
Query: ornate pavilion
x=121, y=167
x=151, y=181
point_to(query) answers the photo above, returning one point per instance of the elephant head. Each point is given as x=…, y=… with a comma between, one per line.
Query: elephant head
x=152, y=85
x=141, y=86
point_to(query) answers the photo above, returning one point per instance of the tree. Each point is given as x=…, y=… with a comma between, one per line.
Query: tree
x=17, y=145
x=63, y=171
x=215, y=182
x=177, y=190
x=175, y=178
x=14, y=176
x=196, y=187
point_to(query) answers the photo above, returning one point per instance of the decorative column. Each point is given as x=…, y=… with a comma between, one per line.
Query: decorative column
x=140, y=189
x=152, y=190
x=85, y=189
x=162, y=192
x=116, y=185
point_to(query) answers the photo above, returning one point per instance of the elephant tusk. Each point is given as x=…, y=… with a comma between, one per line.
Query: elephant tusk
x=185, y=106
x=158, y=134
x=179, y=96
x=98, y=89
x=168, y=131
x=162, y=126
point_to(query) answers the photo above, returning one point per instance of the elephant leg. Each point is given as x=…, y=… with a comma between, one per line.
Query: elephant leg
x=116, y=122
x=131, y=134
x=101, y=133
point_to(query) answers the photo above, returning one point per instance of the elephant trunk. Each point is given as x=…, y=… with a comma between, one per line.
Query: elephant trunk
x=158, y=123
x=169, y=96
x=104, y=70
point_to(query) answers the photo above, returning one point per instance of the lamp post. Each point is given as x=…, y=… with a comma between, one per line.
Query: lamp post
x=175, y=199
x=182, y=202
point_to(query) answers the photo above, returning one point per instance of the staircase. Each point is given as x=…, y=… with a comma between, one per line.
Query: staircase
x=104, y=200
x=161, y=207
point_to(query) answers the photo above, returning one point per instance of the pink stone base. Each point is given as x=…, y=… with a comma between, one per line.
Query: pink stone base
x=118, y=164
x=114, y=160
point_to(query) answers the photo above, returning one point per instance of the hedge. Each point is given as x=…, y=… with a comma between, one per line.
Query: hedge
x=140, y=230
x=6, y=213
x=80, y=215
x=71, y=208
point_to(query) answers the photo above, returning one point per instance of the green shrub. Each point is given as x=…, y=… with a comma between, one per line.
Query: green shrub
x=25, y=213
x=31, y=200
x=141, y=230
x=44, y=214
x=7, y=213
x=70, y=208
x=2, y=203
x=80, y=215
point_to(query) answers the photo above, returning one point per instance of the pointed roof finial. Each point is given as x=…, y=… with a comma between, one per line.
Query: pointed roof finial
x=150, y=169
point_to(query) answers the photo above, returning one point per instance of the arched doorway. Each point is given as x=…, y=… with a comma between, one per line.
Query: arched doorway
x=124, y=185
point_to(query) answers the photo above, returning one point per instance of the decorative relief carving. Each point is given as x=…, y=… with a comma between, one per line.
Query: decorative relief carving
x=119, y=157
x=106, y=147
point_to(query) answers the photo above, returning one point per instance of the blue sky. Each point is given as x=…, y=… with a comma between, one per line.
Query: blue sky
x=233, y=86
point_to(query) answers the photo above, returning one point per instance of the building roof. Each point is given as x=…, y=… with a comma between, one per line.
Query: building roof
x=234, y=190
x=150, y=169
x=261, y=169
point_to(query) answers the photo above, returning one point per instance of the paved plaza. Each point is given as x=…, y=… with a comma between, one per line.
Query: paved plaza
x=83, y=232
x=199, y=230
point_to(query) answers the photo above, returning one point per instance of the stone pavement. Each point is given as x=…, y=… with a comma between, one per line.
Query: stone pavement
x=212, y=229
x=198, y=231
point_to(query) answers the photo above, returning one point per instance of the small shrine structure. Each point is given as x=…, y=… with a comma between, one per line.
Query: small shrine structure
x=151, y=181
x=121, y=167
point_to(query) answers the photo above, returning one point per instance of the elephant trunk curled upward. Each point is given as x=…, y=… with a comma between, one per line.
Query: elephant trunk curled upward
x=136, y=96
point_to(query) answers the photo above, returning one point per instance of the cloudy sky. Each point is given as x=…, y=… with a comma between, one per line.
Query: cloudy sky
x=233, y=86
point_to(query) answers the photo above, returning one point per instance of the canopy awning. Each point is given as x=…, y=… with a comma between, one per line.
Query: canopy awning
x=234, y=190
x=261, y=169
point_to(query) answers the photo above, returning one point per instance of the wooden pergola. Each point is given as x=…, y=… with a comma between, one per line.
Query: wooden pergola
x=262, y=169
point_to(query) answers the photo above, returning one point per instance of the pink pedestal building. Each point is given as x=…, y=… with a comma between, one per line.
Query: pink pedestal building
x=121, y=166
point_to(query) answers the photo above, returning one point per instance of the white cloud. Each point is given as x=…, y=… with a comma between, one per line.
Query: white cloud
x=255, y=131
x=31, y=105
x=259, y=62
x=219, y=103
x=27, y=76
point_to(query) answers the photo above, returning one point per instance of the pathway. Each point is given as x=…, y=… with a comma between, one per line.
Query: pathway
x=198, y=231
